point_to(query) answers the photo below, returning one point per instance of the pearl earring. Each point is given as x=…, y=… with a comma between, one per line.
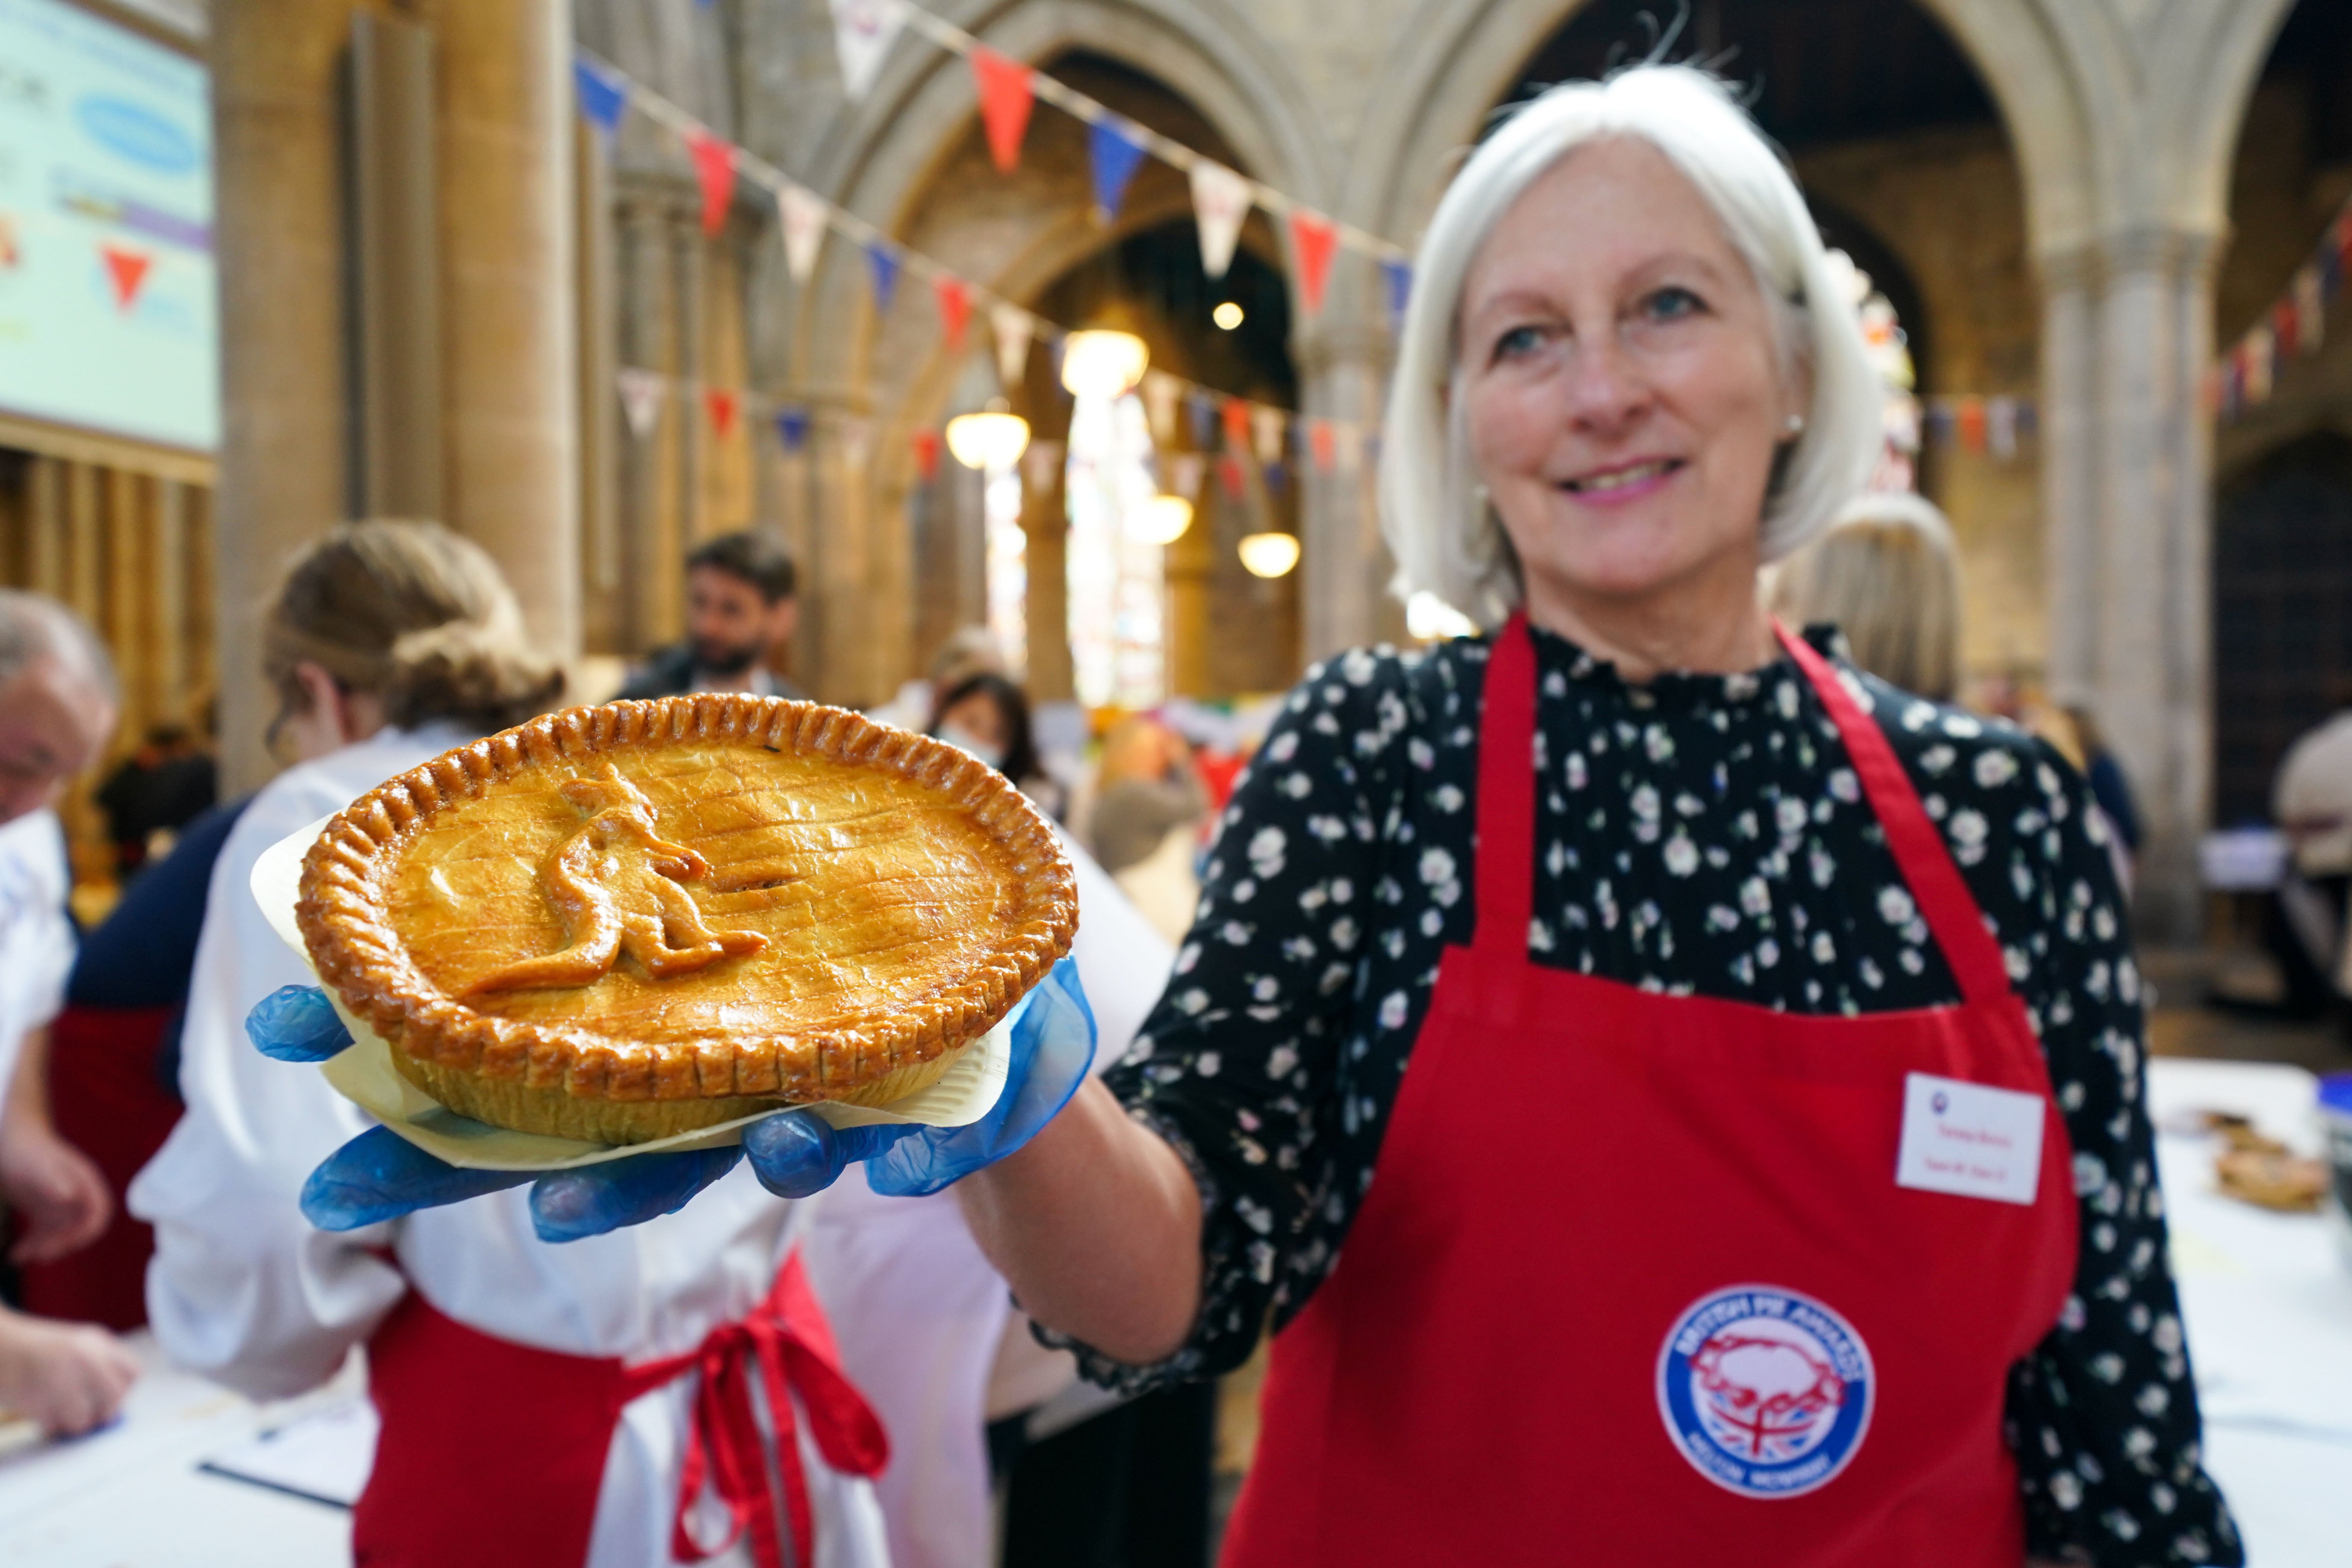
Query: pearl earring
x=1796, y=425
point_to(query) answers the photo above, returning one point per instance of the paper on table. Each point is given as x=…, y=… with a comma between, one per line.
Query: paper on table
x=325, y=1456
x=365, y=1074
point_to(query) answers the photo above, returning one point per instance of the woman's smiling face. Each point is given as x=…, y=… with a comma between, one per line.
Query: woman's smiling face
x=1620, y=382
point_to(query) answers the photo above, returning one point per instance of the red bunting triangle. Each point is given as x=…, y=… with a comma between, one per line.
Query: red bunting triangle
x=927, y=454
x=714, y=166
x=720, y=404
x=1316, y=238
x=1004, y=100
x=1237, y=415
x=126, y=269
x=1324, y=442
x=955, y=309
x=1229, y=475
x=1970, y=419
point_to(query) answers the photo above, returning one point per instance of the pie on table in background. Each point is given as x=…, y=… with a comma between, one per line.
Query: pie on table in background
x=622, y=922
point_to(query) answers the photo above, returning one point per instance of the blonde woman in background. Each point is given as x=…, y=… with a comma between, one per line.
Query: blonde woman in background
x=500, y=1363
x=1887, y=576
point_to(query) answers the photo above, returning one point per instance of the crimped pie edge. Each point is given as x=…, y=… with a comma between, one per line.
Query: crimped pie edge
x=356, y=951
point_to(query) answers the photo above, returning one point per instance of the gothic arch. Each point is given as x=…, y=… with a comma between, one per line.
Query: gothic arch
x=886, y=161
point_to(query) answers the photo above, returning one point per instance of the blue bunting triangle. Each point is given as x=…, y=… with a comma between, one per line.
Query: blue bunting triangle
x=1398, y=277
x=884, y=264
x=1201, y=410
x=1117, y=153
x=792, y=427
x=603, y=98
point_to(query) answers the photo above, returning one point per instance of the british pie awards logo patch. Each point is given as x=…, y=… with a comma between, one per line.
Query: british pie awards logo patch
x=1766, y=1391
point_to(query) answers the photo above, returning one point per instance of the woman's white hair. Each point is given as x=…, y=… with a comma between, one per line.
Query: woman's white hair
x=1437, y=521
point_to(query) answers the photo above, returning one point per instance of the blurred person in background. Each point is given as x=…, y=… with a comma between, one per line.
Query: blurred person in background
x=1146, y=823
x=968, y=651
x=57, y=705
x=741, y=607
x=491, y=1333
x=114, y=1066
x=1886, y=576
x=2304, y=926
x=159, y=788
x=987, y=715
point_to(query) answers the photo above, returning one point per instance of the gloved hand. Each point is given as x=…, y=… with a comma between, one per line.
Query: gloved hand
x=1052, y=1047
x=379, y=1175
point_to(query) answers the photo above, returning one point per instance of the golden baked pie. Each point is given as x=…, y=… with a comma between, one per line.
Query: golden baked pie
x=620, y=922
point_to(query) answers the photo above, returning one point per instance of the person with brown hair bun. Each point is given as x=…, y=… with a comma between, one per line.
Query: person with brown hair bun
x=510, y=1435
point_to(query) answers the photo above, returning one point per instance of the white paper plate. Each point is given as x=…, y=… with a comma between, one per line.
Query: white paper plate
x=365, y=1076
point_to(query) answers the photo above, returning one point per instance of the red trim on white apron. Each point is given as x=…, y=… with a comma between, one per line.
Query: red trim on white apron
x=1634, y=1282
x=492, y=1453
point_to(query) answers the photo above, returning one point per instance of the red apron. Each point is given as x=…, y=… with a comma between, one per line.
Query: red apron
x=492, y=1453
x=1635, y=1283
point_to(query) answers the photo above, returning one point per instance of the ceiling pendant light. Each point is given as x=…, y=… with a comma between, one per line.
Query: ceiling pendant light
x=1162, y=520
x=1103, y=362
x=993, y=438
x=1269, y=555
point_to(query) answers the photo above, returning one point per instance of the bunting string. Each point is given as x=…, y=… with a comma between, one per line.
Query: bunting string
x=987, y=64
x=2295, y=324
x=1267, y=433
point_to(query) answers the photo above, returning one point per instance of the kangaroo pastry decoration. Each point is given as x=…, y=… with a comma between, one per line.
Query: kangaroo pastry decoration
x=615, y=882
x=621, y=923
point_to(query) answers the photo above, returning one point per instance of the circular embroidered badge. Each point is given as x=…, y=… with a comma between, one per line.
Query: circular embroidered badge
x=1765, y=1391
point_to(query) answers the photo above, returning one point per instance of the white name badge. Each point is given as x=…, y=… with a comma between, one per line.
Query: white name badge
x=1971, y=1140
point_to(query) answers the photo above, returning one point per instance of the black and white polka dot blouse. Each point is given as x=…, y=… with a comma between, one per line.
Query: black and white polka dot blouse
x=1701, y=834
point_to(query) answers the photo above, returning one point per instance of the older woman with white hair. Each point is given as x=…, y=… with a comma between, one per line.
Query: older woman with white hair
x=1671, y=1091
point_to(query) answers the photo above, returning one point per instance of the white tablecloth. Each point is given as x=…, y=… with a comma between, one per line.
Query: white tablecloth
x=2267, y=1302
x=132, y=1496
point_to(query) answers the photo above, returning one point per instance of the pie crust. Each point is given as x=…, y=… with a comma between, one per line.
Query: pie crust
x=621, y=923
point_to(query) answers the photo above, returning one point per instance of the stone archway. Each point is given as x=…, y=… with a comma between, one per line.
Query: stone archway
x=915, y=163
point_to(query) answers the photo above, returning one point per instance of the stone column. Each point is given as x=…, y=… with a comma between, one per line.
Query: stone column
x=2142, y=613
x=508, y=288
x=1343, y=567
x=837, y=600
x=277, y=225
x=2070, y=478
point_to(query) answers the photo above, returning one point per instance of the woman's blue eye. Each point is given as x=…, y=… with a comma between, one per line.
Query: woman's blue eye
x=1670, y=304
x=1516, y=341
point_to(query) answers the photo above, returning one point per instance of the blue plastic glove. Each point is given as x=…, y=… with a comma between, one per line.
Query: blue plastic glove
x=379, y=1175
x=1052, y=1047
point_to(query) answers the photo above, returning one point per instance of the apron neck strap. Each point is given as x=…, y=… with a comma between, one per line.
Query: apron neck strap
x=1917, y=846
x=1506, y=871
x=1505, y=876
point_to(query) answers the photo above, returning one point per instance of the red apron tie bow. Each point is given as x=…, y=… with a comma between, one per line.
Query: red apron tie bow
x=787, y=1340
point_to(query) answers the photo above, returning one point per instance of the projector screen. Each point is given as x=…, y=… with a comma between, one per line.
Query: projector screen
x=108, y=319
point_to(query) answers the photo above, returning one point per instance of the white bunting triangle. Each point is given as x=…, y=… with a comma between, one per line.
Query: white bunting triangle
x=1221, y=201
x=1266, y=432
x=1040, y=464
x=802, y=217
x=641, y=399
x=1160, y=393
x=1347, y=445
x=1184, y=472
x=863, y=31
x=1013, y=327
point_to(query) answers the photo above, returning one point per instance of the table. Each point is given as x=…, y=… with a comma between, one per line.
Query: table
x=2266, y=1300
x=131, y=1495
